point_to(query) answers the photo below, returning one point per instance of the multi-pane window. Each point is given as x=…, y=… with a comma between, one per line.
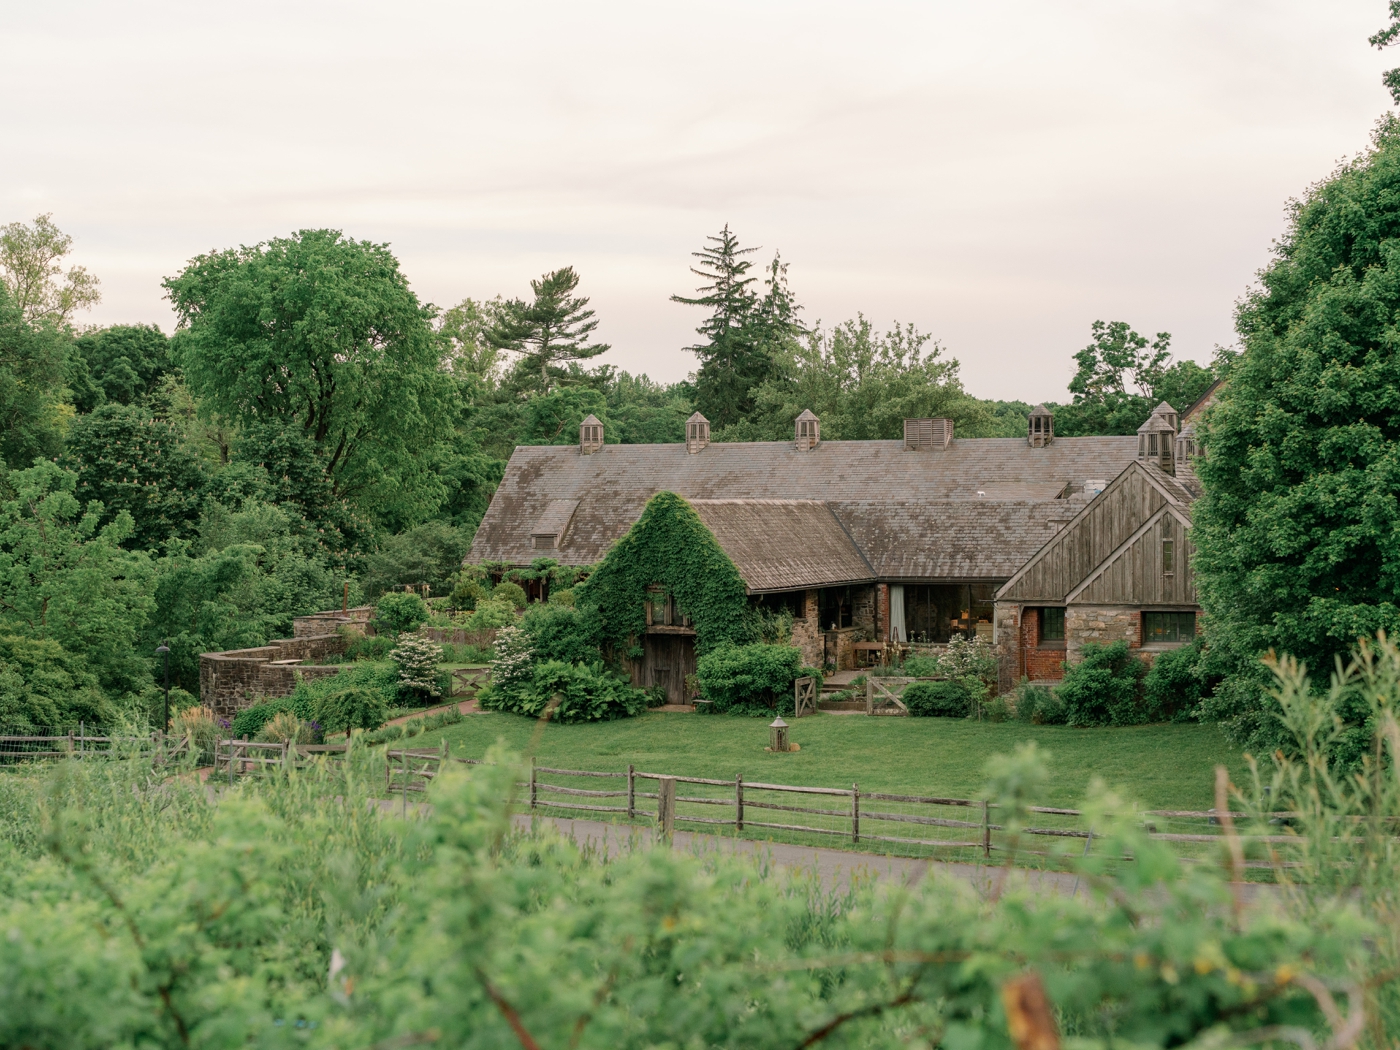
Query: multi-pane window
x=1052, y=625
x=1168, y=548
x=1166, y=628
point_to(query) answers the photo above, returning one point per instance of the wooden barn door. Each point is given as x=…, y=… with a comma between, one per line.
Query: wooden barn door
x=669, y=658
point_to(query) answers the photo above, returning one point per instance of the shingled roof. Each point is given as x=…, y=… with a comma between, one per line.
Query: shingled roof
x=974, y=510
x=783, y=545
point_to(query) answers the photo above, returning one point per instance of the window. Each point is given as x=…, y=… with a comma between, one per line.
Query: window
x=1151, y=444
x=1052, y=625
x=936, y=612
x=1168, y=628
x=834, y=605
x=1168, y=548
x=794, y=602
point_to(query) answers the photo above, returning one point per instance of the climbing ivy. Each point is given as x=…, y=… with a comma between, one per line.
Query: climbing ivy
x=669, y=545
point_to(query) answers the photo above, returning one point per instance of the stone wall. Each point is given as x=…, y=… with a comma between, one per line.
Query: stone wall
x=806, y=634
x=1104, y=624
x=356, y=620
x=863, y=606
x=230, y=681
x=458, y=636
x=1018, y=629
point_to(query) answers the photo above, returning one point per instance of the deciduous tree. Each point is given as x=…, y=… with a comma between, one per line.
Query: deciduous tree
x=31, y=268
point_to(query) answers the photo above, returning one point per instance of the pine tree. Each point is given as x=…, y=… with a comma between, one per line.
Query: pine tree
x=742, y=330
x=548, y=334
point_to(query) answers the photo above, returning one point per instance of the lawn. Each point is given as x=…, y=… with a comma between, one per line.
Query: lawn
x=1163, y=766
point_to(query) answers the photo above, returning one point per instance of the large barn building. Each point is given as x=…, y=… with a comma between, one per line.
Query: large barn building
x=868, y=542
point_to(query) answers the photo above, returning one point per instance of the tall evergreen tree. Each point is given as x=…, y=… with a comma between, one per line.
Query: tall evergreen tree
x=548, y=334
x=743, y=330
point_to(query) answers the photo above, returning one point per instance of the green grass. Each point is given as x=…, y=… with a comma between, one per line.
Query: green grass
x=1163, y=767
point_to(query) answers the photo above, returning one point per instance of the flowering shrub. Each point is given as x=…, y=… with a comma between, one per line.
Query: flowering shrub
x=417, y=659
x=512, y=658
x=969, y=659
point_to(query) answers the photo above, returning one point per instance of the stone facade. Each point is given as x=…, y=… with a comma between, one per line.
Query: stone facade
x=1020, y=654
x=806, y=634
x=239, y=678
x=1102, y=624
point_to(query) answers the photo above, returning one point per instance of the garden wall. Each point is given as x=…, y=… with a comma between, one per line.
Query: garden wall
x=457, y=636
x=356, y=620
x=232, y=680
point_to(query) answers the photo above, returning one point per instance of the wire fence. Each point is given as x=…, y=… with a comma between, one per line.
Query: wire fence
x=20, y=743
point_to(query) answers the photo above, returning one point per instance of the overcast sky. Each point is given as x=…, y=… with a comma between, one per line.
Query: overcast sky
x=999, y=174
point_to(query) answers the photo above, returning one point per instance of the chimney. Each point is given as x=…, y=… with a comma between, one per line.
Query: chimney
x=1040, y=427
x=590, y=435
x=808, y=431
x=927, y=434
x=697, y=433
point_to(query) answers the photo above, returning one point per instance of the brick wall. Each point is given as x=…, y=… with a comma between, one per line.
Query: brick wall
x=1019, y=652
x=230, y=681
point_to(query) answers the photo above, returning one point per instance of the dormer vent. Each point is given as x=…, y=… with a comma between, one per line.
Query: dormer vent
x=923, y=435
x=808, y=429
x=697, y=433
x=1040, y=428
x=590, y=435
x=1156, y=443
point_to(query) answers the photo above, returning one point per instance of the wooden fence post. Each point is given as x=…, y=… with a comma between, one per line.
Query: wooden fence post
x=855, y=812
x=666, y=806
x=986, y=829
x=70, y=743
x=739, y=801
x=869, y=694
x=631, y=791
x=82, y=737
x=230, y=760
x=532, y=782
x=404, y=754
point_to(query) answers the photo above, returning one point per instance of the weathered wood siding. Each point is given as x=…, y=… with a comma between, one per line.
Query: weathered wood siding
x=1135, y=576
x=1083, y=544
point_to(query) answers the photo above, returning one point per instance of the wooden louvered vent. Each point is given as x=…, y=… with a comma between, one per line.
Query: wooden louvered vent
x=921, y=435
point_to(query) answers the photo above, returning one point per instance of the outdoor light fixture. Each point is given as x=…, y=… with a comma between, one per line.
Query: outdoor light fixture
x=777, y=735
x=164, y=653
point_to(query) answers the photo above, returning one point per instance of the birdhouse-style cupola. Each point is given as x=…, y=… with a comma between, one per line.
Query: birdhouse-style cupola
x=1168, y=413
x=697, y=433
x=1040, y=428
x=1157, y=442
x=808, y=431
x=590, y=435
x=927, y=434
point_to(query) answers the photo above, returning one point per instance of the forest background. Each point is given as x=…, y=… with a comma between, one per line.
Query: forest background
x=313, y=433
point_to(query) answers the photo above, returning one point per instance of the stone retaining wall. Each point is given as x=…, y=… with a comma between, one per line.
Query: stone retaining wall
x=239, y=678
x=458, y=636
x=356, y=620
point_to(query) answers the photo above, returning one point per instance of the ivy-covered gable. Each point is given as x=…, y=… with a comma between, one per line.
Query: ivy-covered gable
x=669, y=546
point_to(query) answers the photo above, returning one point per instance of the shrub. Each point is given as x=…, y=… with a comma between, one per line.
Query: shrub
x=202, y=728
x=1174, y=684
x=1037, y=705
x=562, y=597
x=380, y=678
x=937, y=699
x=356, y=707
x=506, y=591
x=964, y=658
x=921, y=666
x=558, y=632
x=749, y=679
x=369, y=647
x=400, y=611
x=512, y=658
x=465, y=595
x=286, y=728
x=1104, y=687
x=586, y=693
x=465, y=654
x=417, y=659
x=250, y=721
x=491, y=614
x=995, y=709
x=43, y=685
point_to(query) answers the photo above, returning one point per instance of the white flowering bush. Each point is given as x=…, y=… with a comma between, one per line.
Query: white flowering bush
x=417, y=659
x=512, y=662
x=975, y=658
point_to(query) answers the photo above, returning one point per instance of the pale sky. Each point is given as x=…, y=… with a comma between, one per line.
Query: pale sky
x=999, y=174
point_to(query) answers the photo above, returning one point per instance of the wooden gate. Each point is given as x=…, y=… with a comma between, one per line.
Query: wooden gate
x=882, y=695
x=667, y=660
x=804, y=696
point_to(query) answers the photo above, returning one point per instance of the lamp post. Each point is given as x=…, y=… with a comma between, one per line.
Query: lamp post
x=778, y=735
x=164, y=653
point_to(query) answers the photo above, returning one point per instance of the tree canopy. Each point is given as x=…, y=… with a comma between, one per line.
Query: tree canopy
x=546, y=335
x=320, y=334
x=1298, y=534
x=31, y=269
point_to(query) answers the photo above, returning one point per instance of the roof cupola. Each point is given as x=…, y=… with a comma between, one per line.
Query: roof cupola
x=697, y=433
x=1157, y=441
x=590, y=434
x=1040, y=427
x=808, y=429
x=927, y=434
